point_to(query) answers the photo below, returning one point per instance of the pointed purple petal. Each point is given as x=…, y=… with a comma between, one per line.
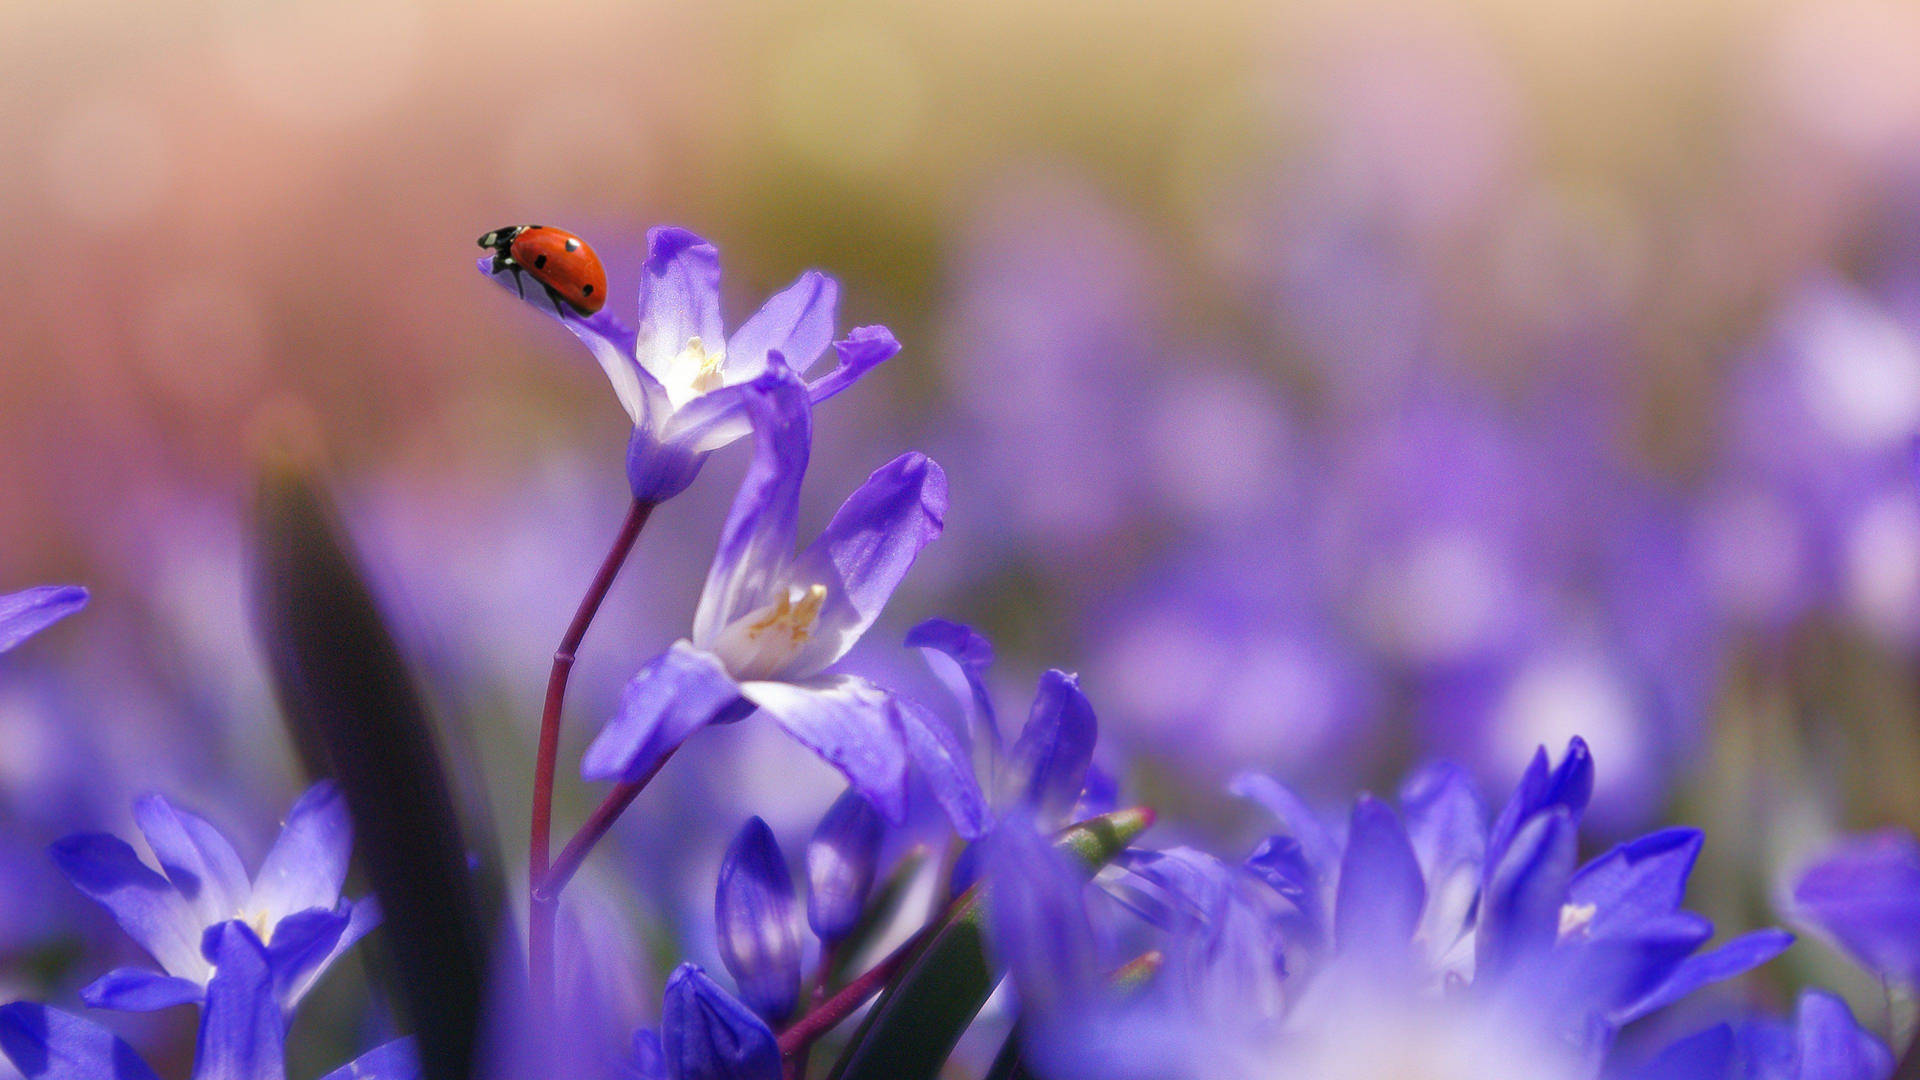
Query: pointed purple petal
x=199, y=861
x=676, y=694
x=959, y=656
x=1865, y=895
x=1317, y=844
x=679, y=298
x=756, y=544
x=301, y=945
x=1380, y=895
x=862, y=350
x=849, y=723
x=866, y=550
x=47, y=1044
x=943, y=761
x=140, y=990
x=308, y=863
x=1048, y=763
x=1520, y=911
x=1736, y=957
x=1831, y=1045
x=1638, y=880
x=24, y=614
x=146, y=906
x=609, y=340
x=796, y=322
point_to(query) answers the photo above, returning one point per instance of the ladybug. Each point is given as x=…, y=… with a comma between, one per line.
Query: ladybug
x=561, y=262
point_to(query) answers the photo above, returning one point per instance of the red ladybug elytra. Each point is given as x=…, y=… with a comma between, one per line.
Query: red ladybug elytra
x=561, y=262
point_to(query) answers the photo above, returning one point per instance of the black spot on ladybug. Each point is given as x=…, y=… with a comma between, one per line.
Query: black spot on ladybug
x=540, y=262
x=586, y=290
x=572, y=244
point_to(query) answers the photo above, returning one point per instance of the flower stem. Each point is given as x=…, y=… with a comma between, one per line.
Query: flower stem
x=801, y=1034
x=541, y=908
x=548, y=888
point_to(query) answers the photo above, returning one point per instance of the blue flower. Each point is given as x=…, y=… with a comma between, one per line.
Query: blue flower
x=26, y=613
x=1044, y=774
x=1419, y=934
x=242, y=1029
x=1823, y=1042
x=769, y=622
x=682, y=380
x=293, y=904
x=1865, y=895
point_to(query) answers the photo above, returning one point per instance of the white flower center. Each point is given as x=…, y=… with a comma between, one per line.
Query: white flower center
x=1575, y=919
x=694, y=371
x=761, y=643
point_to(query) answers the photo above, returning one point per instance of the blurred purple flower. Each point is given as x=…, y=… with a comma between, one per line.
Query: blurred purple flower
x=842, y=858
x=681, y=379
x=293, y=903
x=1864, y=893
x=1823, y=1042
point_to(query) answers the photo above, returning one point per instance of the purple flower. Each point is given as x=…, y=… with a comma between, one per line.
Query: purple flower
x=754, y=919
x=682, y=380
x=769, y=622
x=1042, y=776
x=1422, y=935
x=1865, y=895
x=241, y=1037
x=293, y=904
x=1823, y=1042
x=26, y=613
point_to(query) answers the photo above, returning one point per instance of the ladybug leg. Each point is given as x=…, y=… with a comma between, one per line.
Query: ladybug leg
x=560, y=305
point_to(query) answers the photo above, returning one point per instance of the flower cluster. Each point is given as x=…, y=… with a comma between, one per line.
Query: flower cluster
x=1419, y=936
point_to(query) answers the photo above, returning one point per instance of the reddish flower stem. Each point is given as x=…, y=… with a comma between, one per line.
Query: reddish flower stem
x=568, y=863
x=540, y=908
x=802, y=1032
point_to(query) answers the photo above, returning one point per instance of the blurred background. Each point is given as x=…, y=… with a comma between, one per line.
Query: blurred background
x=1331, y=384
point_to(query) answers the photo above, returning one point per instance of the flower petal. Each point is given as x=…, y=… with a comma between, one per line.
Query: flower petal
x=1317, y=843
x=140, y=990
x=706, y=1035
x=942, y=760
x=679, y=298
x=1520, y=912
x=196, y=858
x=396, y=1060
x=301, y=945
x=1639, y=880
x=959, y=657
x=1380, y=894
x=756, y=544
x=1038, y=920
x=1707, y=1055
x=676, y=694
x=1865, y=894
x=862, y=350
x=1831, y=1045
x=242, y=1032
x=1048, y=763
x=26, y=613
x=842, y=858
x=308, y=863
x=363, y=916
x=48, y=1044
x=848, y=721
x=866, y=550
x=1736, y=957
x=145, y=904
x=796, y=322
x=755, y=924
